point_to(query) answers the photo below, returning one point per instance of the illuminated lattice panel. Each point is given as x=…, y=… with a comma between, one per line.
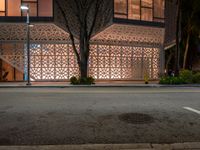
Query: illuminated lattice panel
x=123, y=62
x=38, y=33
x=127, y=34
x=13, y=54
x=53, y=62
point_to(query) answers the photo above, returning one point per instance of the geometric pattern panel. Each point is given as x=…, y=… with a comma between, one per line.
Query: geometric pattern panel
x=52, y=62
x=38, y=32
x=107, y=62
x=123, y=62
x=130, y=35
x=13, y=54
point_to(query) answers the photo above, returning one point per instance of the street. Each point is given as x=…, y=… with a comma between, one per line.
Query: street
x=41, y=116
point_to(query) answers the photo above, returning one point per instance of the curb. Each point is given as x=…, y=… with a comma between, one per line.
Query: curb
x=176, y=146
x=101, y=86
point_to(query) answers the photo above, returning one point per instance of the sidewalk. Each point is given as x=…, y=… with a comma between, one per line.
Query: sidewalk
x=98, y=84
x=177, y=146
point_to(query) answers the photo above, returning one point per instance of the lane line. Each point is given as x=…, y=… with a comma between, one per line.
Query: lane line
x=193, y=110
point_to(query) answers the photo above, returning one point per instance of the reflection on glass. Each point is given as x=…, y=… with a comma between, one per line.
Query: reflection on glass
x=13, y=7
x=147, y=3
x=2, y=13
x=2, y=5
x=159, y=8
x=45, y=8
x=120, y=6
x=32, y=9
x=134, y=9
x=147, y=10
x=147, y=14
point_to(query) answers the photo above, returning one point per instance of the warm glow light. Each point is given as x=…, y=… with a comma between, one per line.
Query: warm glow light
x=24, y=8
x=109, y=64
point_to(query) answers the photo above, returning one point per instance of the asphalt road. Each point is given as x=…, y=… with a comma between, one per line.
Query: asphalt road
x=95, y=115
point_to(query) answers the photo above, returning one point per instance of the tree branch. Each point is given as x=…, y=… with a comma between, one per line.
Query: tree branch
x=69, y=30
x=78, y=7
x=95, y=18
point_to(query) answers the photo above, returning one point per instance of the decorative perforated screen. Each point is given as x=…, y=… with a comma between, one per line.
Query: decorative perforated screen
x=120, y=52
x=109, y=62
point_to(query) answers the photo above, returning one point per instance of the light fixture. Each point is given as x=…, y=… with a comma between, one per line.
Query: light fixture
x=23, y=7
x=26, y=8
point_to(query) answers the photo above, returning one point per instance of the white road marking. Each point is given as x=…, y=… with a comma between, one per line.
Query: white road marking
x=193, y=110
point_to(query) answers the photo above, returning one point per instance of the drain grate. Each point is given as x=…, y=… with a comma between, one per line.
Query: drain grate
x=136, y=118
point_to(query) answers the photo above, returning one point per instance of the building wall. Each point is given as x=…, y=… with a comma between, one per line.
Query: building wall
x=13, y=73
x=170, y=22
x=119, y=50
x=107, y=62
x=11, y=62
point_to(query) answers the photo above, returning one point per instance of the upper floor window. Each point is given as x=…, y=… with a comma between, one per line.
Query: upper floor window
x=2, y=8
x=147, y=10
x=37, y=8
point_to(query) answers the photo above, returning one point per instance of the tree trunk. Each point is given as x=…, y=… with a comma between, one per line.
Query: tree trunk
x=177, y=53
x=168, y=61
x=84, y=53
x=1, y=70
x=186, y=51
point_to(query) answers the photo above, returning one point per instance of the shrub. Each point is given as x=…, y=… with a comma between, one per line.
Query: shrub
x=196, y=78
x=91, y=80
x=74, y=80
x=82, y=81
x=186, y=75
x=171, y=80
x=86, y=81
x=164, y=80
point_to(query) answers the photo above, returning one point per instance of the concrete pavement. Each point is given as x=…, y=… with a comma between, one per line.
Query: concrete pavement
x=60, y=116
x=176, y=146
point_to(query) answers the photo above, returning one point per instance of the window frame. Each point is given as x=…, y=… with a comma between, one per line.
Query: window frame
x=5, y=10
x=29, y=2
x=21, y=14
x=154, y=18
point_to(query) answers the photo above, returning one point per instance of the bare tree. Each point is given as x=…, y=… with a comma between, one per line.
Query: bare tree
x=91, y=15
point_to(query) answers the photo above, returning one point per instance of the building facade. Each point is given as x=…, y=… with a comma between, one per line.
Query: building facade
x=127, y=46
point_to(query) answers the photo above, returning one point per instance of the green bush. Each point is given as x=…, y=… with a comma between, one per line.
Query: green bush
x=74, y=80
x=91, y=80
x=186, y=75
x=196, y=78
x=171, y=80
x=82, y=81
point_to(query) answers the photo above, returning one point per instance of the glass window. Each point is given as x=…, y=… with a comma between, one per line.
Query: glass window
x=147, y=14
x=121, y=8
x=134, y=9
x=2, y=5
x=32, y=8
x=158, y=20
x=120, y=16
x=159, y=8
x=147, y=3
x=2, y=13
x=13, y=7
x=29, y=0
x=45, y=8
x=32, y=4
